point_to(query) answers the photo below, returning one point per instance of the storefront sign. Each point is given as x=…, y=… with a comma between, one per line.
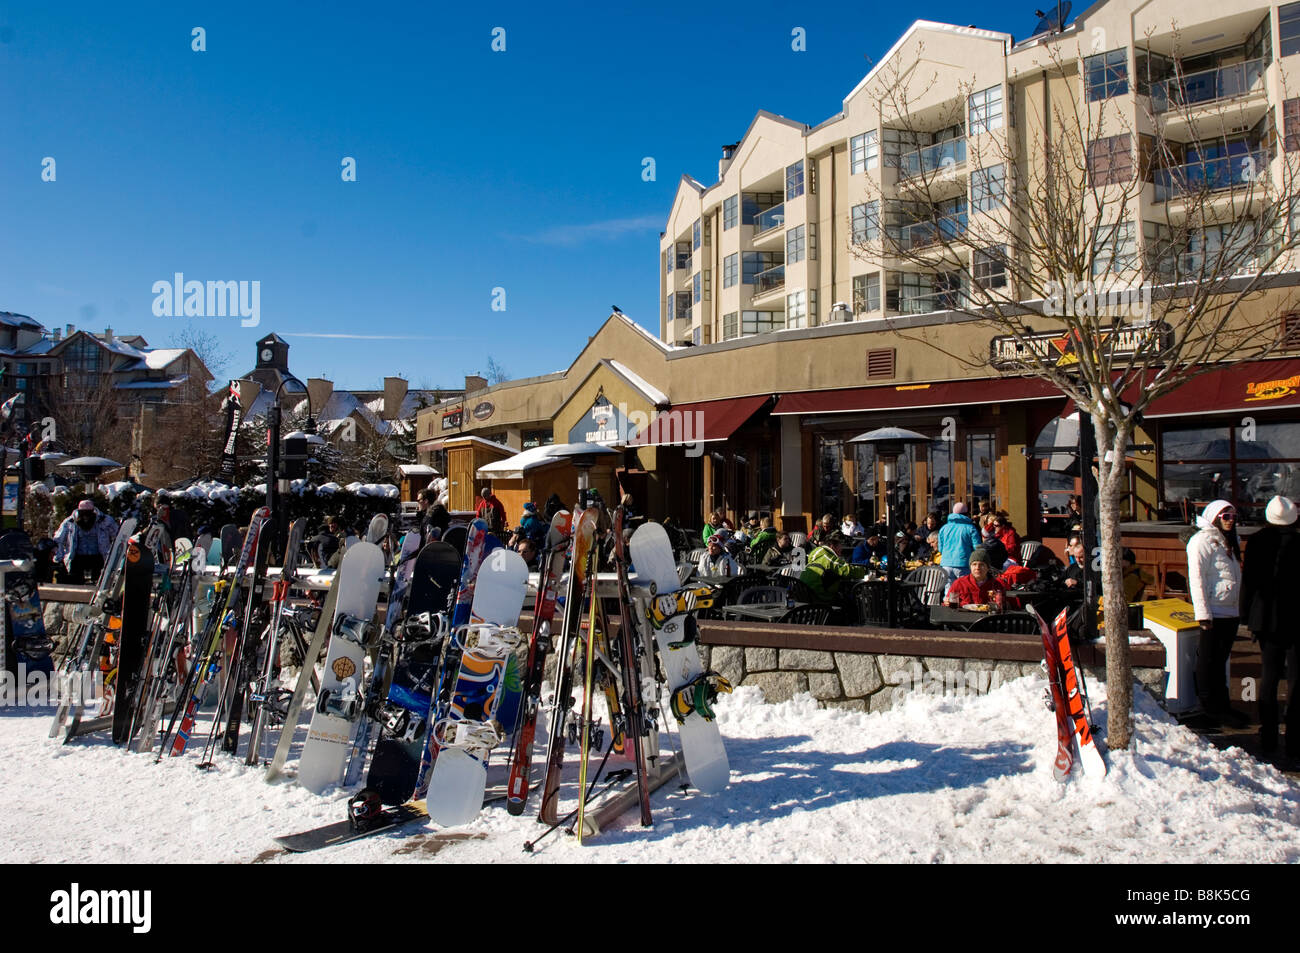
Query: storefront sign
x=451, y=420
x=1008, y=352
x=602, y=424
x=484, y=409
x=1272, y=390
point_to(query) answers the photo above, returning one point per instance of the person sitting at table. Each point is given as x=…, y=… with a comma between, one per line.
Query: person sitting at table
x=977, y=587
x=715, y=522
x=850, y=527
x=905, y=545
x=826, y=572
x=873, y=547
x=762, y=539
x=1006, y=533
x=1073, y=576
x=716, y=561
x=1135, y=580
x=825, y=532
x=927, y=547
x=779, y=553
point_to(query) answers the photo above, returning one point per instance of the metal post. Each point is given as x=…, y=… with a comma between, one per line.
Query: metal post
x=1088, y=503
x=273, y=469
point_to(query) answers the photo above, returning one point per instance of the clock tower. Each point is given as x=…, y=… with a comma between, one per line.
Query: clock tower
x=273, y=353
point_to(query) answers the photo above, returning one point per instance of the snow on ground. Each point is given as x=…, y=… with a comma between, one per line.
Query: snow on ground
x=940, y=779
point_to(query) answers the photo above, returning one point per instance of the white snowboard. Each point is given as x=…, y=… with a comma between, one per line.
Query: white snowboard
x=702, y=747
x=326, y=749
x=459, y=778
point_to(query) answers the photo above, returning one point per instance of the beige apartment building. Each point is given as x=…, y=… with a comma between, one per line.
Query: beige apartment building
x=803, y=293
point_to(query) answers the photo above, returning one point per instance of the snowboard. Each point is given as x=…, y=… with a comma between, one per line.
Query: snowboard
x=1074, y=741
x=137, y=585
x=403, y=717
x=471, y=728
x=344, y=832
x=361, y=572
x=24, y=622
x=691, y=688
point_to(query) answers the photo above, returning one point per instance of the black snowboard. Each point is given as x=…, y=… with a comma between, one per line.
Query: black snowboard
x=137, y=583
x=342, y=832
x=396, y=762
x=455, y=537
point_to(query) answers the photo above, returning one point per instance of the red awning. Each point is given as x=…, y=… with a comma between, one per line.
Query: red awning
x=913, y=396
x=698, y=422
x=1253, y=385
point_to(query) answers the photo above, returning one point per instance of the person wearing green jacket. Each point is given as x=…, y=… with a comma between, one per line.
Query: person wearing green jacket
x=826, y=573
x=763, y=540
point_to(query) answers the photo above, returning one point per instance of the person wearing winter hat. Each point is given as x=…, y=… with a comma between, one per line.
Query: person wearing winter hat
x=1270, y=567
x=1214, y=584
x=958, y=539
x=82, y=542
x=977, y=587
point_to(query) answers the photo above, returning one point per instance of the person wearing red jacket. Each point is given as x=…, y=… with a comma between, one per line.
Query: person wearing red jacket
x=976, y=588
x=491, y=511
x=1006, y=534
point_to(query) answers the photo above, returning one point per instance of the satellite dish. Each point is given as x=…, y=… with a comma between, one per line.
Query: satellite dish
x=1054, y=20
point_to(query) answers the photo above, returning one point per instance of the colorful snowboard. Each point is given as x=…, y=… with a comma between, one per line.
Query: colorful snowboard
x=1074, y=741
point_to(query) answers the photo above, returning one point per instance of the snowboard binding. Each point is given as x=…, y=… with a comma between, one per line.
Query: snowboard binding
x=364, y=808
x=662, y=608
x=346, y=702
x=475, y=738
x=698, y=695
x=357, y=631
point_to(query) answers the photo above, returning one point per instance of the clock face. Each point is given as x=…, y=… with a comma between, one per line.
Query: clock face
x=266, y=353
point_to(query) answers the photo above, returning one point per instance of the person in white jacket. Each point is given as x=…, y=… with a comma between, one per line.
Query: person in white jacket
x=1214, y=584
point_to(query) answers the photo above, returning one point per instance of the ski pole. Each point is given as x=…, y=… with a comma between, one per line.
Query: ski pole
x=622, y=774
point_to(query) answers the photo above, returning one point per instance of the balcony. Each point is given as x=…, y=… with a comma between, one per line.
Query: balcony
x=767, y=220
x=938, y=157
x=920, y=235
x=1209, y=86
x=1211, y=175
x=773, y=279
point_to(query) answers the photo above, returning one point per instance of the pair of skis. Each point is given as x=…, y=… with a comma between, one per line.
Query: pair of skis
x=1068, y=699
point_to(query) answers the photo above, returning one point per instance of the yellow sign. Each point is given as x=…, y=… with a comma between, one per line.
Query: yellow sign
x=1175, y=614
x=1272, y=390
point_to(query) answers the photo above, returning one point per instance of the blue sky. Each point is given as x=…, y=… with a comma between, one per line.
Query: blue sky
x=475, y=169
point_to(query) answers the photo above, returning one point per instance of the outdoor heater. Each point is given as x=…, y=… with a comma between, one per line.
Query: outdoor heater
x=890, y=443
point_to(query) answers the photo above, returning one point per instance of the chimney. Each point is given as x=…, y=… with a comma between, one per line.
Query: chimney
x=319, y=390
x=473, y=382
x=58, y=335
x=394, y=394
x=108, y=335
x=728, y=153
x=69, y=330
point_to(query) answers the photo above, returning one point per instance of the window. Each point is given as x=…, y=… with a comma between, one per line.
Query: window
x=697, y=335
x=698, y=286
x=1158, y=251
x=754, y=263
x=682, y=309
x=985, y=110
x=796, y=310
x=812, y=239
x=1288, y=29
x=731, y=270
x=1291, y=124
x=988, y=188
x=794, y=180
x=794, y=245
x=757, y=322
x=695, y=235
x=731, y=325
x=1114, y=249
x=684, y=256
x=1243, y=464
x=981, y=457
x=668, y=261
x=866, y=222
x=1110, y=160
x=730, y=211
x=754, y=204
x=989, y=266
x=866, y=293
x=864, y=152
x=708, y=284
x=1106, y=75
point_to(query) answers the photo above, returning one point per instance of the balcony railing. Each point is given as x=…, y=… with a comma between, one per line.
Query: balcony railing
x=911, y=303
x=1211, y=175
x=684, y=263
x=1208, y=86
x=951, y=152
x=923, y=234
x=772, y=218
x=769, y=280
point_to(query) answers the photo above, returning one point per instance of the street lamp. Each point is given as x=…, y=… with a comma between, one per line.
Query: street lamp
x=890, y=443
x=295, y=454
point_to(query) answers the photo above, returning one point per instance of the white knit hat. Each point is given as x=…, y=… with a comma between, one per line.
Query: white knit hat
x=1211, y=513
x=1280, y=511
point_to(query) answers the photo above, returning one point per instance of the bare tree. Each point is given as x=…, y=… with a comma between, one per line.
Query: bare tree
x=1112, y=297
x=207, y=346
x=496, y=374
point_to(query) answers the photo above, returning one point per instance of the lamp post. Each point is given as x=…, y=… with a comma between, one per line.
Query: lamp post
x=278, y=475
x=890, y=443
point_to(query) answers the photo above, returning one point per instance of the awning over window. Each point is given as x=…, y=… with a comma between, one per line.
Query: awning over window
x=914, y=396
x=699, y=422
x=1254, y=385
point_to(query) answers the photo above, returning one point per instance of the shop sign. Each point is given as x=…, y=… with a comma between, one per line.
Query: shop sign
x=1272, y=390
x=451, y=420
x=1009, y=352
x=602, y=424
x=484, y=409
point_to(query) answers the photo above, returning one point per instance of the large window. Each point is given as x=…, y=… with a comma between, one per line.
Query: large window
x=731, y=270
x=1288, y=24
x=1106, y=75
x=988, y=188
x=1110, y=160
x=981, y=467
x=796, y=309
x=755, y=262
x=831, y=488
x=1245, y=464
x=866, y=222
x=794, y=180
x=731, y=325
x=1114, y=249
x=697, y=282
x=866, y=293
x=989, y=266
x=730, y=211
x=985, y=110
x=864, y=152
x=695, y=234
x=794, y=245
x=757, y=322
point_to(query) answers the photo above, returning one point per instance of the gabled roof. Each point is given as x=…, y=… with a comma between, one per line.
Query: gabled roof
x=933, y=26
x=12, y=320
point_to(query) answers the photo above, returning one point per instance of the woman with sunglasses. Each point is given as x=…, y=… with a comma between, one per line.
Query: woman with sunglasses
x=1214, y=581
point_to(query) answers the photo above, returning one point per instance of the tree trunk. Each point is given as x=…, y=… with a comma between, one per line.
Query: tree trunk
x=1119, y=667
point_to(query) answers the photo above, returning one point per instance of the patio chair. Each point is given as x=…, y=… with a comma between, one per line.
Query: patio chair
x=1027, y=548
x=872, y=601
x=806, y=615
x=762, y=595
x=1009, y=623
x=935, y=581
